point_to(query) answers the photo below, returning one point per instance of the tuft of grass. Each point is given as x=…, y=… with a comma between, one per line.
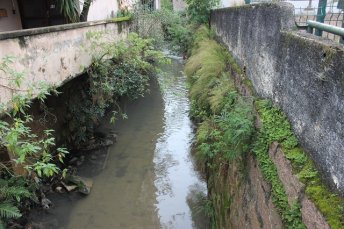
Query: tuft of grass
x=204, y=69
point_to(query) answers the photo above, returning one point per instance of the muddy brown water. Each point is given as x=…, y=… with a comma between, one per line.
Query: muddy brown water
x=148, y=178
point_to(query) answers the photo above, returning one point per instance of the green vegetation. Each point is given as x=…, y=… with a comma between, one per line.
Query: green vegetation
x=207, y=208
x=227, y=126
x=330, y=204
x=30, y=153
x=163, y=26
x=227, y=133
x=177, y=28
x=205, y=70
x=14, y=193
x=15, y=134
x=199, y=10
x=276, y=128
x=118, y=69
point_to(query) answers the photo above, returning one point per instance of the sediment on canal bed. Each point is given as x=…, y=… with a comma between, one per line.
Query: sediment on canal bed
x=258, y=175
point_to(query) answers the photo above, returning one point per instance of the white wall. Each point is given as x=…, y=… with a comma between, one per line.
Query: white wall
x=179, y=5
x=12, y=22
x=53, y=56
x=102, y=9
x=226, y=3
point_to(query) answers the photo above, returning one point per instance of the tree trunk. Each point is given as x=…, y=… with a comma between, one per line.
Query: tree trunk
x=309, y=4
x=85, y=9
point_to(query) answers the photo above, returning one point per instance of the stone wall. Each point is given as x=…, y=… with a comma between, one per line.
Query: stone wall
x=243, y=197
x=53, y=54
x=300, y=72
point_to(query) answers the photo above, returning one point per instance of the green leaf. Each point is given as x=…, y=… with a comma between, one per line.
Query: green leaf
x=8, y=210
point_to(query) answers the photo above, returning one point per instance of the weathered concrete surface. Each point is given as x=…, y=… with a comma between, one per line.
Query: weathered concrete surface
x=54, y=54
x=301, y=73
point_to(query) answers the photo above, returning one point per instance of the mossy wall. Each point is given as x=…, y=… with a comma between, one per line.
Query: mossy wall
x=301, y=73
x=262, y=179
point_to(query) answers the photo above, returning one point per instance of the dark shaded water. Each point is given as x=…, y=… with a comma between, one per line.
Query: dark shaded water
x=148, y=178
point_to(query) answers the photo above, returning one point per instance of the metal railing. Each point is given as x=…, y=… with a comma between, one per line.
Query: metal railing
x=324, y=27
x=326, y=13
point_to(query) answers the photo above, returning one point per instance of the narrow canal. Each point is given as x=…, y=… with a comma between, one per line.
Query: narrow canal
x=148, y=178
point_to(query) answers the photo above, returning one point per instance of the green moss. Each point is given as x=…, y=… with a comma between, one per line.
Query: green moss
x=330, y=204
x=234, y=64
x=121, y=19
x=278, y=128
x=275, y=128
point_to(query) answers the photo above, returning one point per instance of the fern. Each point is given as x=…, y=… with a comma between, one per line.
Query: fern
x=13, y=193
x=8, y=210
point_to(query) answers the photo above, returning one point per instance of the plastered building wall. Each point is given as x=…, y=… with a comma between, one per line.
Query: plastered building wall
x=53, y=54
x=12, y=22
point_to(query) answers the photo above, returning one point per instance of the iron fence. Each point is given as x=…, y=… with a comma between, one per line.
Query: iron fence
x=325, y=12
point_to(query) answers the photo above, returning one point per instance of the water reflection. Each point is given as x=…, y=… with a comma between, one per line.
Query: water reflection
x=177, y=180
x=148, y=178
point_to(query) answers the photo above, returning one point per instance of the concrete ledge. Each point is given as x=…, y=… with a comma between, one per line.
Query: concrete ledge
x=57, y=28
x=54, y=54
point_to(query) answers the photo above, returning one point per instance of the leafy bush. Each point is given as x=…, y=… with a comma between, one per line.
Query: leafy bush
x=168, y=28
x=199, y=10
x=119, y=68
x=28, y=151
x=229, y=134
x=15, y=135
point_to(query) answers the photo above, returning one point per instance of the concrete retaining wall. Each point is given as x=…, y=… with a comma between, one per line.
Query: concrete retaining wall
x=53, y=54
x=302, y=73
